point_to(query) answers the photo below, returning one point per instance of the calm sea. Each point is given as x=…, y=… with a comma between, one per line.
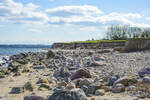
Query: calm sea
x=7, y=50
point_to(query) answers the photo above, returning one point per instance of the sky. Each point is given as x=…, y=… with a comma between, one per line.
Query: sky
x=49, y=21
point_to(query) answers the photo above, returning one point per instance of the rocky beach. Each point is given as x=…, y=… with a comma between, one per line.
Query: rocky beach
x=80, y=74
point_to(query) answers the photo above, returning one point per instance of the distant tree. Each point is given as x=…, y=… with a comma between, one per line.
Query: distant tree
x=123, y=32
x=146, y=33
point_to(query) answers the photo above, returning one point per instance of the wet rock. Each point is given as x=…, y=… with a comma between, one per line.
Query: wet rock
x=64, y=94
x=33, y=98
x=118, y=88
x=17, y=90
x=100, y=92
x=126, y=81
x=144, y=71
x=146, y=79
x=62, y=72
x=81, y=73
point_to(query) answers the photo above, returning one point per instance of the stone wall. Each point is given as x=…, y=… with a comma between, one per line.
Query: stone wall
x=87, y=45
x=137, y=44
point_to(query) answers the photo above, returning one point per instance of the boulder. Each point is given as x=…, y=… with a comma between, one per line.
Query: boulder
x=33, y=98
x=65, y=94
x=81, y=73
x=118, y=88
x=144, y=71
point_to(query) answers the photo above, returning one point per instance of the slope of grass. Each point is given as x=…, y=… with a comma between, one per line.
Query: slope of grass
x=94, y=41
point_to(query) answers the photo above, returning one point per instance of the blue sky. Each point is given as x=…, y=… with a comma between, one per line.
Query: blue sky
x=48, y=21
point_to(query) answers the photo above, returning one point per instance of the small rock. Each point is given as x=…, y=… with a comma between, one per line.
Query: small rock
x=29, y=86
x=62, y=83
x=17, y=90
x=118, y=88
x=70, y=86
x=144, y=71
x=62, y=72
x=93, y=87
x=146, y=79
x=44, y=80
x=112, y=80
x=33, y=98
x=130, y=88
x=126, y=81
x=81, y=73
x=100, y=92
x=50, y=54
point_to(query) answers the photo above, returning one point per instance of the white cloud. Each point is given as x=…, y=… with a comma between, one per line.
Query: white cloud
x=84, y=10
x=83, y=15
x=11, y=11
x=147, y=18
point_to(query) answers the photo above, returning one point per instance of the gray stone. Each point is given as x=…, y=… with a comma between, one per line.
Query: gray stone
x=144, y=71
x=118, y=88
x=17, y=90
x=64, y=94
x=100, y=92
x=62, y=72
x=146, y=79
x=33, y=98
x=126, y=81
x=81, y=73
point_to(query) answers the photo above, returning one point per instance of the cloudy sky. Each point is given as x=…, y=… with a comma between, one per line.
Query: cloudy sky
x=48, y=21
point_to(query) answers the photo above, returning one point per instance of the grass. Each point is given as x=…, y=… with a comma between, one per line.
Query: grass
x=94, y=41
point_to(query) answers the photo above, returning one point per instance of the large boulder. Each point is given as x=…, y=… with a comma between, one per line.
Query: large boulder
x=144, y=71
x=65, y=94
x=33, y=98
x=81, y=73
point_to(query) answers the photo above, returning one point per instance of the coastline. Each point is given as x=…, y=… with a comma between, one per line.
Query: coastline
x=102, y=66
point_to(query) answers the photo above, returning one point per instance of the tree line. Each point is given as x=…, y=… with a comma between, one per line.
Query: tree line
x=123, y=32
